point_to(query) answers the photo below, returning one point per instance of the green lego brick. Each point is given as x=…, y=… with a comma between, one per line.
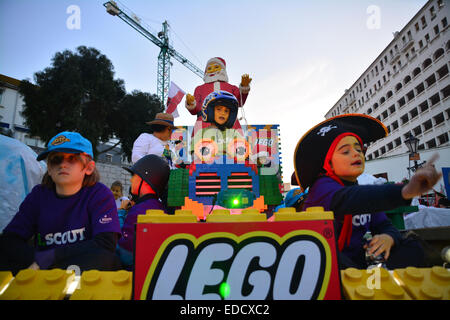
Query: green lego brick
x=268, y=187
x=178, y=187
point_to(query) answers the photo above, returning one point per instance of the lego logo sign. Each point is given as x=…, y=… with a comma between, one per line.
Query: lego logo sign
x=256, y=265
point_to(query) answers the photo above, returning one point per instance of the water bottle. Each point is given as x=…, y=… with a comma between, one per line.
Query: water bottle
x=372, y=260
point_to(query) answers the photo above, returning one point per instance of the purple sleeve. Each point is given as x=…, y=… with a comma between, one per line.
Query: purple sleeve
x=127, y=239
x=24, y=222
x=103, y=211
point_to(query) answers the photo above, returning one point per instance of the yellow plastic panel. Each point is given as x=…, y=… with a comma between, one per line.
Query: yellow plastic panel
x=104, y=285
x=247, y=215
x=158, y=216
x=312, y=213
x=39, y=285
x=373, y=284
x=5, y=278
x=425, y=283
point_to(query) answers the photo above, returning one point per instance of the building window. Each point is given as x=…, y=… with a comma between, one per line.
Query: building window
x=401, y=102
x=427, y=38
x=410, y=95
x=417, y=130
x=414, y=113
x=423, y=106
x=404, y=119
x=435, y=99
x=420, y=88
x=442, y=72
x=439, y=53
x=406, y=80
x=390, y=146
x=369, y=111
x=430, y=80
x=398, y=86
x=416, y=71
x=439, y=119
x=384, y=114
x=444, y=23
x=389, y=94
x=446, y=92
x=443, y=138
x=426, y=63
x=436, y=29
x=417, y=27
x=394, y=125
x=383, y=150
x=382, y=100
x=392, y=109
x=427, y=125
x=424, y=22
x=431, y=144
x=398, y=142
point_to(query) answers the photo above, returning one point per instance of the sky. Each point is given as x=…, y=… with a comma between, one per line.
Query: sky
x=301, y=55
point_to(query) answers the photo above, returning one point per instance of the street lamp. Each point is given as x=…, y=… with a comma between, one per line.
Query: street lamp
x=412, y=143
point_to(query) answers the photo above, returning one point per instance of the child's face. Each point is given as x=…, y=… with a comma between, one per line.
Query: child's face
x=221, y=114
x=117, y=192
x=348, y=159
x=68, y=169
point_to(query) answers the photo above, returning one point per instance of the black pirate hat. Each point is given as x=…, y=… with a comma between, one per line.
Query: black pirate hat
x=312, y=148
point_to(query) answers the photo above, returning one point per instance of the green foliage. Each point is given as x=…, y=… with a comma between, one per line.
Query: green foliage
x=129, y=120
x=78, y=92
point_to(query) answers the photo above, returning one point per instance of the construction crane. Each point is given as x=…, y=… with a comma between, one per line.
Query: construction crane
x=162, y=41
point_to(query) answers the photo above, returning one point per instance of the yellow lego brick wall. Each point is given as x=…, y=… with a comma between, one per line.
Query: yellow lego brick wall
x=247, y=215
x=311, y=213
x=373, y=284
x=104, y=285
x=425, y=283
x=39, y=285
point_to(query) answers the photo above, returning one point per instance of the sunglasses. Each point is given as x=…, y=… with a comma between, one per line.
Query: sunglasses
x=57, y=159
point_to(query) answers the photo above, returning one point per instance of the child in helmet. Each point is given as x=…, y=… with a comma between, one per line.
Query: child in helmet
x=220, y=111
x=328, y=159
x=149, y=179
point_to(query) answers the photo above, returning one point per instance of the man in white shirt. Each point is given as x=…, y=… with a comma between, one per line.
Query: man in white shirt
x=154, y=143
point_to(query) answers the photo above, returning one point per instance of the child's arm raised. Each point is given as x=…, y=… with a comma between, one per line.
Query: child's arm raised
x=423, y=180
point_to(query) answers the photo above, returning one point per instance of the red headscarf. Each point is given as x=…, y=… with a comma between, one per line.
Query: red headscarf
x=346, y=231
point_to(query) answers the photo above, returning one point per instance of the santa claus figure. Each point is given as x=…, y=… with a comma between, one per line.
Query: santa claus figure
x=216, y=79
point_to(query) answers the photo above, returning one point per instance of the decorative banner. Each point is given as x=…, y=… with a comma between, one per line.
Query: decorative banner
x=239, y=260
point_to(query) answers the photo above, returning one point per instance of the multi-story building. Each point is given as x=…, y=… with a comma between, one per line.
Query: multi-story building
x=407, y=87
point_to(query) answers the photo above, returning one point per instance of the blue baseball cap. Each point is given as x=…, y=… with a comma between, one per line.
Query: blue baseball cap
x=69, y=142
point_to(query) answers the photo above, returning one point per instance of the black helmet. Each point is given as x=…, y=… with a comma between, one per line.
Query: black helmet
x=152, y=169
x=220, y=98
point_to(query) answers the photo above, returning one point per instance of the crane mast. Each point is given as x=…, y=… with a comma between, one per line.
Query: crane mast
x=162, y=41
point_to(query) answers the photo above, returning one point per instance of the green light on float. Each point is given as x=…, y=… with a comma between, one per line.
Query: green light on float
x=224, y=290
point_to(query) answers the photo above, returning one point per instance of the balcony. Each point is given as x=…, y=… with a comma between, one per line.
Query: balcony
x=407, y=45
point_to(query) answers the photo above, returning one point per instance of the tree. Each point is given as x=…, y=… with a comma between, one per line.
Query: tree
x=77, y=93
x=129, y=120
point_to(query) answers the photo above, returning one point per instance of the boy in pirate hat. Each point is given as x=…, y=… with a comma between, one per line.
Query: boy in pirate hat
x=328, y=159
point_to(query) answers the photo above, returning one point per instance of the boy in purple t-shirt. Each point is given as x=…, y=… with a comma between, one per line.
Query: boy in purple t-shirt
x=328, y=159
x=149, y=179
x=71, y=217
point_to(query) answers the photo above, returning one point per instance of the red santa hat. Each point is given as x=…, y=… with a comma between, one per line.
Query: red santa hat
x=217, y=60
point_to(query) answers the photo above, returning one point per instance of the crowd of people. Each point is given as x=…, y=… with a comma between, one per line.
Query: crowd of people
x=73, y=219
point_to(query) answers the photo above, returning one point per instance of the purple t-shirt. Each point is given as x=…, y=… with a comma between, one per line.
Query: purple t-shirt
x=322, y=193
x=127, y=239
x=59, y=221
